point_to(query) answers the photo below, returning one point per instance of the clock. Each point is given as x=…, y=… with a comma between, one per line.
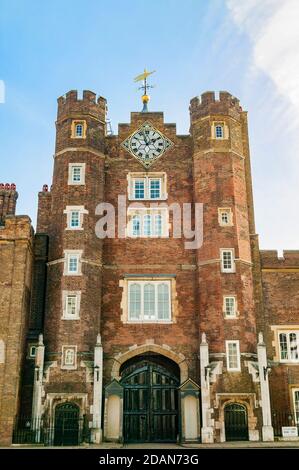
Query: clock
x=147, y=144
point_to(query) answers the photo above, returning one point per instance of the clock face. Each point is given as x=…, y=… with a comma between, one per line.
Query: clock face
x=147, y=144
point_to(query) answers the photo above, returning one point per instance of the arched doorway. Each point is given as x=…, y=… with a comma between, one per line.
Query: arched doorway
x=66, y=427
x=236, y=422
x=150, y=386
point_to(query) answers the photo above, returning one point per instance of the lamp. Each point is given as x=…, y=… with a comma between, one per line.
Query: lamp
x=97, y=371
x=266, y=371
x=207, y=371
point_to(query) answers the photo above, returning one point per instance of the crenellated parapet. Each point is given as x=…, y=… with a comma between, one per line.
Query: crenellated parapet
x=207, y=104
x=270, y=259
x=70, y=104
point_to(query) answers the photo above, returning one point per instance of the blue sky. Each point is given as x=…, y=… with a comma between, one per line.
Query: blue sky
x=247, y=47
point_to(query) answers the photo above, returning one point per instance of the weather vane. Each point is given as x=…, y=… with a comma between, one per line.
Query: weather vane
x=145, y=97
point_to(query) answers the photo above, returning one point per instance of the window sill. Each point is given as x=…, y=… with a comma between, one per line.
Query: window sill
x=148, y=322
x=70, y=318
x=74, y=229
x=69, y=367
x=163, y=198
x=289, y=362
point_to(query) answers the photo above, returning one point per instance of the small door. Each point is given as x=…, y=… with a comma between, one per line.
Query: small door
x=236, y=422
x=66, y=431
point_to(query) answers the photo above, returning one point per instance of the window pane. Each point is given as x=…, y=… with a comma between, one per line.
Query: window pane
x=232, y=356
x=69, y=357
x=283, y=346
x=158, y=225
x=136, y=225
x=149, y=301
x=230, y=306
x=163, y=302
x=147, y=225
x=224, y=218
x=135, y=301
x=139, y=189
x=76, y=173
x=219, y=132
x=155, y=189
x=71, y=304
x=73, y=263
x=227, y=259
x=79, y=130
x=75, y=219
x=293, y=346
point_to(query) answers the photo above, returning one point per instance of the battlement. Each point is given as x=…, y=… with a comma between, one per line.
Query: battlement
x=70, y=104
x=270, y=259
x=208, y=104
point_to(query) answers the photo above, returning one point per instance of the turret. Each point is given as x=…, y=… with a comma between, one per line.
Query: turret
x=80, y=122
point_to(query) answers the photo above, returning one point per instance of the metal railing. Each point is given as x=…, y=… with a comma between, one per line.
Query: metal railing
x=67, y=431
x=283, y=419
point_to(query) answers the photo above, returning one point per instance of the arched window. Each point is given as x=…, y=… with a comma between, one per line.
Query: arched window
x=149, y=301
x=158, y=225
x=69, y=357
x=136, y=226
x=147, y=225
x=135, y=301
x=163, y=302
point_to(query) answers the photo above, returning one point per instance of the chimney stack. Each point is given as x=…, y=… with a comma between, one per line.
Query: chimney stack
x=8, y=200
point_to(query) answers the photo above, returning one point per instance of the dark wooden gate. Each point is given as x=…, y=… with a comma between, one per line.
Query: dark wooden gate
x=150, y=403
x=66, y=429
x=236, y=422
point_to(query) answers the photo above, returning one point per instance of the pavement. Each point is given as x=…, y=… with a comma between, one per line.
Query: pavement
x=222, y=445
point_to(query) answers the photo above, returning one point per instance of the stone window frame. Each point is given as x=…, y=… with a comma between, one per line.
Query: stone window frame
x=287, y=332
x=227, y=343
x=235, y=315
x=124, y=284
x=276, y=329
x=69, y=210
x=233, y=267
x=75, y=123
x=71, y=182
x=65, y=294
x=152, y=211
x=64, y=349
x=147, y=176
x=67, y=255
x=222, y=210
x=225, y=129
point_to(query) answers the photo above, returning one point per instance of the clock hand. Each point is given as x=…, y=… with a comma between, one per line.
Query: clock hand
x=145, y=137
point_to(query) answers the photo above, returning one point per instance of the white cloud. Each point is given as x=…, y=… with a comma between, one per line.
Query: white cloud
x=272, y=26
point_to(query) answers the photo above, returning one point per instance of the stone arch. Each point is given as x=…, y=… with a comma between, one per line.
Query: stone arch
x=248, y=401
x=164, y=350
